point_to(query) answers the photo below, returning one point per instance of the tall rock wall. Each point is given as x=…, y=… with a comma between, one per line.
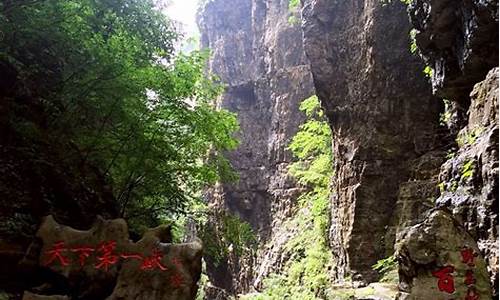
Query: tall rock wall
x=387, y=141
x=258, y=54
x=405, y=164
x=459, y=41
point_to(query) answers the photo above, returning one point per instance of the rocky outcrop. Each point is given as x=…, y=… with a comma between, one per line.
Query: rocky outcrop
x=469, y=192
x=387, y=141
x=401, y=173
x=459, y=40
x=469, y=179
x=439, y=259
x=102, y=263
x=258, y=54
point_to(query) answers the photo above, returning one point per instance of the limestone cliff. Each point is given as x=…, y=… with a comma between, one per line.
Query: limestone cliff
x=405, y=164
x=459, y=40
x=388, y=144
x=258, y=54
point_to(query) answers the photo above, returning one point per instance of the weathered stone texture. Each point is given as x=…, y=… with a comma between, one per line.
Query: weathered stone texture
x=459, y=40
x=469, y=179
x=385, y=126
x=125, y=278
x=437, y=243
x=258, y=53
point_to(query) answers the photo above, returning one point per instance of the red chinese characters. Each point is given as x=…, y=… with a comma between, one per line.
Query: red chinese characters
x=469, y=277
x=472, y=294
x=445, y=279
x=176, y=280
x=176, y=262
x=468, y=256
x=107, y=258
x=83, y=253
x=56, y=254
x=153, y=262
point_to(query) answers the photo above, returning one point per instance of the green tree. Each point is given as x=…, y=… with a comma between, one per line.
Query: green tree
x=306, y=274
x=106, y=75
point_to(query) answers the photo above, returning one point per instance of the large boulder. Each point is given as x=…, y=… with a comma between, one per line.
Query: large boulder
x=440, y=260
x=103, y=263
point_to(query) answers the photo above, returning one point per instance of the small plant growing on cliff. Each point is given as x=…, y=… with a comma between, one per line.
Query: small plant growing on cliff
x=293, y=7
x=469, y=137
x=293, y=4
x=442, y=187
x=428, y=71
x=232, y=235
x=413, y=41
x=387, y=267
x=445, y=117
x=385, y=264
x=467, y=170
x=306, y=274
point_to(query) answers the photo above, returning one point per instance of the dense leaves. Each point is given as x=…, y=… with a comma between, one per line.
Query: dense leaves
x=306, y=273
x=105, y=75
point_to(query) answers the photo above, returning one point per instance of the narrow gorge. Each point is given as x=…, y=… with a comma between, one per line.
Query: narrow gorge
x=403, y=158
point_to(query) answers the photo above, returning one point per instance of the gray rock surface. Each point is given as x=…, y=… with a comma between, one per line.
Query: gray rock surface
x=387, y=139
x=258, y=54
x=113, y=267
x=434, y=261
x=459, y=40
x=469, y=179
x=392, y=155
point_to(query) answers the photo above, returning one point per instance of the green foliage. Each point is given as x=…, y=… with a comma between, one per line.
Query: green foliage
x=293, y=7
x=293, y=4
x=306, y=274
x=293, y=20
x=442, y=187
x=227, y=234
x=428, y=71
x=445, y=117
x=385, y=265
x=413, y=41
x=467, y=170
x=107, y=78
x=204, y=280
x=469, y=137
x=450, y=154
x=453, y=186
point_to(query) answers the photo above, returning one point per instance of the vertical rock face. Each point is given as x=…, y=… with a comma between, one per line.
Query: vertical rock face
x=396, y=181
x=385, y=121
x=102, y=263
x=258, y=54
x=459, y=40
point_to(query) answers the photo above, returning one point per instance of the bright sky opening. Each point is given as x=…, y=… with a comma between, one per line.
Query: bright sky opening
x=184, y=12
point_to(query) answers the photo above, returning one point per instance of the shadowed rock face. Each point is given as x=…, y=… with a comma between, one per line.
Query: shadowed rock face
x=113, y=267
x=390, y=150
x=386, y=139
x=459, y=40
x=258, y=54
